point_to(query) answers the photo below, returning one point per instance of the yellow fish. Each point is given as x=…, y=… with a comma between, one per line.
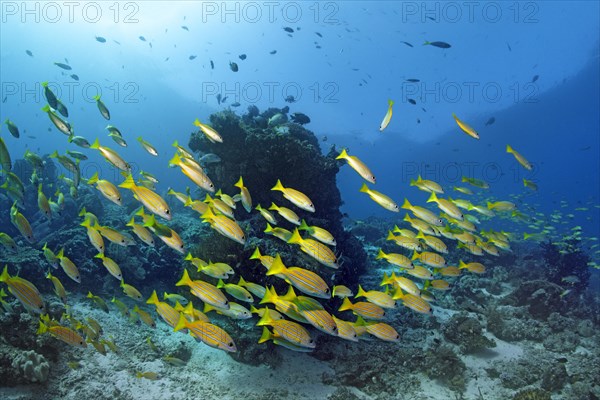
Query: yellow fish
x=21, y=223
x=59, y=289
x=195, y=173
x=466, y=128
x=210, y=133
x=522, y=160
x=341, y=291
x=423, y=213
x=43, y=204
x=267, y=215
x=288, y=330
x=68, y=266
x=111, y=156
x=380, y=198
x=295, y=196
x=395, y=259
x=209, y=334
x=148, y=198
x=94, y=236
x=530, y=184
x=280, y=233
x=427, y=185
x=381, y=299
x=111, y=266
x=315, y=249
x=225, y=226
x=286, y=213
x=322, y=235
x=107, y=189
x=474, y=267
x=364, y=309
x=204, y=291
x=245, y=195
x=447, y=206
x=302, y=279
x=131, y=291
x=24, y=291
x=63, y=333
x=357, y=165
x=380, y=330
x=144, y=316
x=147, y=146
x=387, y=118
x=141, y=232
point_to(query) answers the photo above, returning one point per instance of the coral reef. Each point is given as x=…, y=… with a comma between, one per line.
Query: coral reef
x=32, y=366
x=262, y=154
x=568, y=266
x=467, y=332
x=532, y=394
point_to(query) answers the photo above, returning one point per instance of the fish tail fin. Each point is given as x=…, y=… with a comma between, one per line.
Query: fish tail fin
x=242, y=282
x=489, y=205
x=415, y=256
x=269, y=229
x=380, y=255
x=185, y=279
x=220, y=284
x=420, y=235
x=181, y=324
x=278, y=186
x=386, y=280
x=208, y=308
x=256, y=254
x=432, y=198
x=5, y=276
x=269, y=297
x=96, y=144
x=239, y=183
x=296, y=238
x=426, y=43
x=128, y=183
x=461, y=265
x=346, y=305
x=43, y=328
x=343, y=155
x=303, y=226
x=364, y=188
x=509, y=149
x=390, y=236
x=361, y=292
x=153, y=298
x=265, y=319
x=406, y=205
x=277, y=267
x=273, y=207
x=176, y=160
x=93, y=179
x=266, y=335
x=407, y=218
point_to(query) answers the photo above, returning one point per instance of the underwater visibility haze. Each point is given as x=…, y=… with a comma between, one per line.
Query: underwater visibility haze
x=299, y=200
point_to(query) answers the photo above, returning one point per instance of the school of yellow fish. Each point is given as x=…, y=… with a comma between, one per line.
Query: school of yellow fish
x=414, y=276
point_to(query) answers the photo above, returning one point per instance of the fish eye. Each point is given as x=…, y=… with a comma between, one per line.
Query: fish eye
x=167, y=211
x=311, y=341
x=397, y=336
x=230, y=344
x=327, y=290
x=335, y=328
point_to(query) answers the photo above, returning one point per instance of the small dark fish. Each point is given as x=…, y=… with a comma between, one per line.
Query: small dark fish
x=143, y=39
x=585, y=148
x=355, y=69
x=192, y=57
x=12, y=128
x=150, y=44
x=288, y=29
x=242, y=57
x=63, y=66
x=218, y=98
x=224, y=99
x=408, y=44
x=236, y=104
x=431, y=18
x=300, y=118
x=317, y=47
x=212, y=64
x=119, y=43
x=273, y=52
x=423, y=108
x=74, y=76
x=535, y=78
x=318, y=34
x=413, y=102
x=441, y=45
x=508, y=45
x=29, y=53
x=562, y=360
x=32, y=137
x=100, y=39
x=490, y=121
x=413, y=80
x=4, y=99
x=185, y=28
x=167, y=59
x=419, y=121
x=233, y=66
